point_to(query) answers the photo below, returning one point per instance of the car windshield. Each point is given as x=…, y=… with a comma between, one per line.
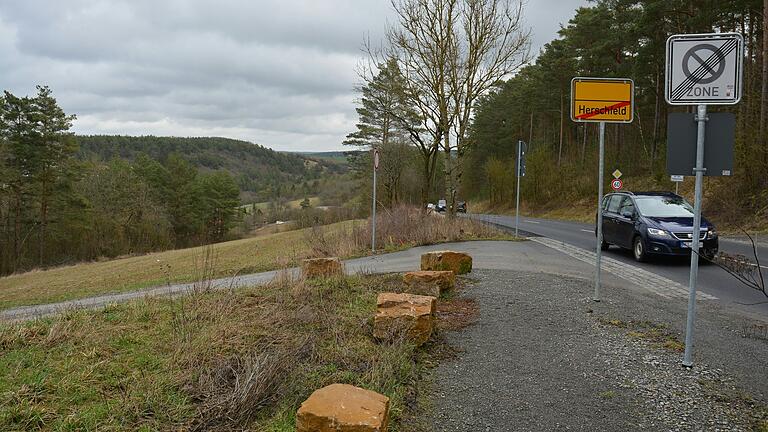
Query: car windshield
x=663, y=206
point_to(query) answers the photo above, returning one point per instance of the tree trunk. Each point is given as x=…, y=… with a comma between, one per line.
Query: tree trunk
x=560, y=148
x=764, y=89
x=448, y=170
x=656, y=121
x=584, y=145
x=43, y=225
x=530, y=132
x=17, y=234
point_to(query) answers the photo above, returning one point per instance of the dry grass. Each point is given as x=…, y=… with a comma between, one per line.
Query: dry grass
x=209, y=361
x=126, y=274
x=400, y=229
x=657, y=335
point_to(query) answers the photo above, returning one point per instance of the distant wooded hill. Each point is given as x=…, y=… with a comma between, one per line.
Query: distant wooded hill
x=261, y=173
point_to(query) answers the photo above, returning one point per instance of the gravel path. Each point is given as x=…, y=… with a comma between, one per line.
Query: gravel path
x=543, y=356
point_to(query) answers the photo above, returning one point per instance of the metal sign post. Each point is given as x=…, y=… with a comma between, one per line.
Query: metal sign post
x=701, y=69
x=520, y=173
x=373, y=218
x=600, y=181
x=602, y=100
x=677, y=179
x=701, y=118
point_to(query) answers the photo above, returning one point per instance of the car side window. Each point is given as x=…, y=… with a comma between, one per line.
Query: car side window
x=606, y=200
x=627, y=206
x=613, y=204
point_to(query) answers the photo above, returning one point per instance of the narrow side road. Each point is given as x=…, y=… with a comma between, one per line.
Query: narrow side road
x=528, y=256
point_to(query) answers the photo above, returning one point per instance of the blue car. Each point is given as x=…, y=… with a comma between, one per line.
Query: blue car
x=654, y=223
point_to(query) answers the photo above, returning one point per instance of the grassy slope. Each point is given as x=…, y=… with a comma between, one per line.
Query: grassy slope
x=269, y=252
x=235, y=257
x=313, y=201
x=162, y=364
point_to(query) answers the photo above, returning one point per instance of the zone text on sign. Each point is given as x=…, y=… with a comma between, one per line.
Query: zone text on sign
x=602, y=99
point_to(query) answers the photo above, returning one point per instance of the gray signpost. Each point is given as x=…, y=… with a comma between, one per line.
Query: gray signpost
x=521, y=149
x=676, y=178
x=702, y=69
x=373, y=217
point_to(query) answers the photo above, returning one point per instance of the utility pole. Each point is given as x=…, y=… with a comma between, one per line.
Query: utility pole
x=373, y=217
x=520, y=173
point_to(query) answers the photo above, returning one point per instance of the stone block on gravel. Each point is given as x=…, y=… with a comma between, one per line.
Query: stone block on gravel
x=321, y=267
x=406, y=315
x=428, y=282
x=342, y=407
x=458, y=262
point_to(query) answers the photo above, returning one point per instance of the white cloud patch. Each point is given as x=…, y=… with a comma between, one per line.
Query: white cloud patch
x=279, y=73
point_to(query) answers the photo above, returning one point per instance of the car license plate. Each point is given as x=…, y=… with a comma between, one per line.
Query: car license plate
x=687, y=245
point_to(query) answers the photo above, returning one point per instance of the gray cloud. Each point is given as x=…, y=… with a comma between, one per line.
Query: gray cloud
x=279, y=73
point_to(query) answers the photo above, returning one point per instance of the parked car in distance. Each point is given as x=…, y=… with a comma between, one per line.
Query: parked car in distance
x=654, y=223
x=441, y=206
x=461, y=207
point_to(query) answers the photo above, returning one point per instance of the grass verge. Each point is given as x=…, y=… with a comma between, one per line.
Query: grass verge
x=208, y=361
x=397, y=230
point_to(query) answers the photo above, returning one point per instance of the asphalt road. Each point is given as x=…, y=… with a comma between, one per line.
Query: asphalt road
x=712, y=279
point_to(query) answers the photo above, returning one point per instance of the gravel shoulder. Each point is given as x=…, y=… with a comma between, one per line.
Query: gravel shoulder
x=544, y=356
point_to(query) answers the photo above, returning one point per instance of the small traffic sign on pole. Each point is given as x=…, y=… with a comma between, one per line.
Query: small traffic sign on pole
x=617, y=174
x=617, y=184
x=677, y=179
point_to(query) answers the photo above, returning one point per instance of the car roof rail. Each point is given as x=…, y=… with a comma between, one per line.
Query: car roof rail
x=656, y=193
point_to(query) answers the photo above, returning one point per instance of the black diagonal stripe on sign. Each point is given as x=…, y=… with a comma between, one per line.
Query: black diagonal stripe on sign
x=699, y=73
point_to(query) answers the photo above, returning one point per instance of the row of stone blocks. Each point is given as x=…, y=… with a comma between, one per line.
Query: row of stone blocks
x=342, y=407
x=456, y=262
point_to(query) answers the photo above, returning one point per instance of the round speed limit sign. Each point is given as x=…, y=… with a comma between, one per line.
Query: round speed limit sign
x=616, y=184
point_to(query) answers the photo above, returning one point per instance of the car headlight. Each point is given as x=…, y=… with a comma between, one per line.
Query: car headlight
x=657, y=232
x=711, y=233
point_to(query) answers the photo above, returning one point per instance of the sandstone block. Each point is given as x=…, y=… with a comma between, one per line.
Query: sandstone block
x=321, y=267
x=458, y=262
x=342, y=407
x=404, y=314
x=430, y=283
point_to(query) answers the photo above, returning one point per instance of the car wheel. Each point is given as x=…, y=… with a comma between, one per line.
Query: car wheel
x=604, y=245
x=638, y=250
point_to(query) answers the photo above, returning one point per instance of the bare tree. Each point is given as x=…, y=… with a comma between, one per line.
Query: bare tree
x=451, y=52
x=742, y=268
x=423, y=45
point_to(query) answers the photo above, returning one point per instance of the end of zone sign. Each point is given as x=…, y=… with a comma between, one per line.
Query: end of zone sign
x=602, y=100
x=704, y=69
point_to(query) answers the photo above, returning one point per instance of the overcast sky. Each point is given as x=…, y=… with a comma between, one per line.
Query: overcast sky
x=276, y=72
